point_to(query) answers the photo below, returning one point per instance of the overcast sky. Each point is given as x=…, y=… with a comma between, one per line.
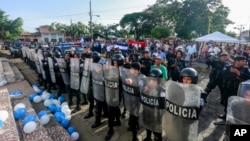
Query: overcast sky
x=42, y=12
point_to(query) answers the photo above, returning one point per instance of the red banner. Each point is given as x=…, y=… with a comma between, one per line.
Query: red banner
x=136, y=43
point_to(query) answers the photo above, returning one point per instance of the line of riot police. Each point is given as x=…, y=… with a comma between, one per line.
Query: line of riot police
x=151, y=100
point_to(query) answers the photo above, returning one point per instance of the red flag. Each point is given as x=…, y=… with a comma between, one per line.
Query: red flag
x=136, y=43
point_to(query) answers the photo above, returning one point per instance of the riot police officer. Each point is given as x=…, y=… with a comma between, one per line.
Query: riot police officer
x=190, y=76
x=178, y=95
x=77, y=91
x=134, y=57
x=67, y=70
x=113, y=97
x=88, y=54
x=157, y=73
x=126, y=65
x=48, y=83
x=59, y=80
x=84, y=102
x=175, y=65
x=38, y=68
x=100, y=105
x=133, y=119
x=215, y=77
x=233, y=75
x=146, y=63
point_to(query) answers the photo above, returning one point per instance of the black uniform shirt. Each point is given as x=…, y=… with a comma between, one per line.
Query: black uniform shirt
x=231, y=81
x=147, y=62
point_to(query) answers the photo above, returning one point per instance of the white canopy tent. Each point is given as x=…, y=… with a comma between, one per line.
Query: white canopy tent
x=217, y=37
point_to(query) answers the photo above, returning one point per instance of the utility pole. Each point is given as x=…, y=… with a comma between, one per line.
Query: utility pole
x=90, y=24
x=72, y=36
x=209, y=24
x=240, y=28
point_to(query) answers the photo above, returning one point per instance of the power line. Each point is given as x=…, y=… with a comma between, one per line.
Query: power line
x=59, y=16
x=82, y=13
x=111, y=10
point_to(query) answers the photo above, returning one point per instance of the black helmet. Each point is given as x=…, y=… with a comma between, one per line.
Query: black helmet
x=47, y=54
x=57, y=54
x=125, y=55
x=156, y=73
x=136, y=65
x=96, y=57
x=119, y=58
x=190, y=72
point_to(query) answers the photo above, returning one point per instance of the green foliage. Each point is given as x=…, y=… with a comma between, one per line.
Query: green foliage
x=232, y=34
x=190, y=18
x=10, y=29
x=74, y=30
x=160, y=32
x=137, y=24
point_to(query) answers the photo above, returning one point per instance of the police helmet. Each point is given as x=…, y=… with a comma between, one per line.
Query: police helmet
x=156, y=73
x=49, y=54
x=96, y=57
x=57, y=54
x=46, y=54
x=125, y=55
x=136, y=65
x=190, y=72
x=119, y=58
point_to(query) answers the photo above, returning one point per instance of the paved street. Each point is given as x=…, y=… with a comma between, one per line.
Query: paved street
x=207, y=130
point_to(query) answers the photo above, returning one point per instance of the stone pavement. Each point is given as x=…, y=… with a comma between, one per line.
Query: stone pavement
x=207, y=130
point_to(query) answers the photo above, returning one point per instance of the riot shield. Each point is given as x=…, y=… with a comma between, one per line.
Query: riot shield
x=130, y=90
x=51, y=70
x=237, y=113
x=28, y=53
x=62, y=67
x=40, y=57
x=238, y=110
x=108, y=61
x=32, y=51
x=36, y=59
x=85, y=76
x=244, y=89
x=111, y=80
x=152, y=103
x=23, y=52
x=74, y=73
x=97, y=81
x=181, y=111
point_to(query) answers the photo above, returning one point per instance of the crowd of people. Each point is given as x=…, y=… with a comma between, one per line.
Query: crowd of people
x=160, y=60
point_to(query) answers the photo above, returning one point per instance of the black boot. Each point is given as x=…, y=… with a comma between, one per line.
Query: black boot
x=109, y=135
x=96, y=125
x=88, y=115
x=76, y=110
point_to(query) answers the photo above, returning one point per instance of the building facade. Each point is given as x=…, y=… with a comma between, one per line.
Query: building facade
x=44, y=35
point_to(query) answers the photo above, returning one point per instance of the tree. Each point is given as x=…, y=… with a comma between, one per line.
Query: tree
x=137, y=24
x=160, y=32
x=190, y=18
x=231, y=33
x=73, y=30
x=10, y=29
x=78, y=29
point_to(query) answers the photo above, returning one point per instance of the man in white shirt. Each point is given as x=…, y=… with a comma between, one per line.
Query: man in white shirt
x=213, y=50
x=109, y=47
x=191, y=50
